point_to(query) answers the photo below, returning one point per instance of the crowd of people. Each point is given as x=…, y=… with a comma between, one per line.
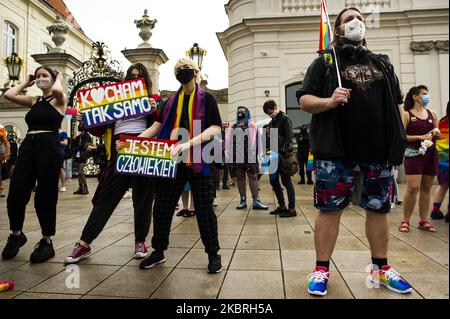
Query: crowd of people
x=349, y=158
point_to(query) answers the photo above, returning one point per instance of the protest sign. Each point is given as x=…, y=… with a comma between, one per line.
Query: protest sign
x=146, y=157
x=118, y=101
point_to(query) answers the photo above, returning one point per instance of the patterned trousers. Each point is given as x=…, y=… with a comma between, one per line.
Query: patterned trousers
x=168, y=193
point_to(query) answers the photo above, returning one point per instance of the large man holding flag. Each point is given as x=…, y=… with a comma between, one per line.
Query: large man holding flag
x=354, y=96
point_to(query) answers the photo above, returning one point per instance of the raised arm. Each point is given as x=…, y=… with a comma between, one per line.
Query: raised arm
x=58, y=93
x=15, y=94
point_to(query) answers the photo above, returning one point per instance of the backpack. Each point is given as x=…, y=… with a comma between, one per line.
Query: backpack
x=289, y=164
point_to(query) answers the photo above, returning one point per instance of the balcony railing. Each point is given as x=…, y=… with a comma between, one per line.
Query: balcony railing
x=368, y=4
x=313, y=6
x=301, y=6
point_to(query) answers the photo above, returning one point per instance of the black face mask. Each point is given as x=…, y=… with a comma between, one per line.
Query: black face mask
x=185, y=76
x=241, y=115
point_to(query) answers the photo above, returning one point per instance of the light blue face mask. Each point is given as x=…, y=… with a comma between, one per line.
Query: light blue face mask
x=425, y=100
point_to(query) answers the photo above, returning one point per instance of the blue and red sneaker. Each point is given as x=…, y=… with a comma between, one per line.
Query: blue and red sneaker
x=318, y=281
x=389, y=278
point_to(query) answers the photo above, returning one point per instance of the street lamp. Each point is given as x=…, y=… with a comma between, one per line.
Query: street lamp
x=14, y=65
x=196, y=54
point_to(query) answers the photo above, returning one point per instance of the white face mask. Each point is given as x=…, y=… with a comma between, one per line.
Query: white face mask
x=355, y=30
x=43, y=84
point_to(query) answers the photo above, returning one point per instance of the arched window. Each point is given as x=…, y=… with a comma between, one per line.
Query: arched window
x=9, y=39
x=299, y=117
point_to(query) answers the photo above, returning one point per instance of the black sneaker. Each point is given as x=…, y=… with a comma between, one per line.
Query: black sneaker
x=446, y=218
x=302, y=182
x=278, y=211
x=310, y=182
x=13, y=245
x=288, y=213
x=43, y=251
x=154, y=259
x=225, y=187
x=437, y=215
x=215, y=264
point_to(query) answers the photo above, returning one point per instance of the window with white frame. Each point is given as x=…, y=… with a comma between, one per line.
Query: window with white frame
x=9, y=39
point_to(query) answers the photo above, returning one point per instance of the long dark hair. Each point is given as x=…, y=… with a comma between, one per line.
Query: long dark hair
x=409, y=99
x=53, y=73
x=446, y=114
x=338, y=23
x=144, y=74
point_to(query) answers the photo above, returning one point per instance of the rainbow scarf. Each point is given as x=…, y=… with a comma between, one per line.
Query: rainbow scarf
x=179, y=111
x=171, y=118
x=443, y=145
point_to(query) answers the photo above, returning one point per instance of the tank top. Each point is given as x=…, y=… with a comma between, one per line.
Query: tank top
x=418, y=126
x=43, y=116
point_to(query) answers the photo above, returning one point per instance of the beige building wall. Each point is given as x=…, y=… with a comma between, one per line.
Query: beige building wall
x=31, y=19
x=270, y=44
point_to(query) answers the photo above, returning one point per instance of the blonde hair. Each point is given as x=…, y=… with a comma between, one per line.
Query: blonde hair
x=185, y=61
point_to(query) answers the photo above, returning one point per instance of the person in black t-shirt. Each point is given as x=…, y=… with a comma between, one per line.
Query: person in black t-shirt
x=349, y=134
x=38, y=161
x=192, y=117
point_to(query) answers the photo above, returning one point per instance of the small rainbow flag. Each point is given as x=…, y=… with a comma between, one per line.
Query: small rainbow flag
x=326, y=41
x=443, y=145
x=310, y=165
x=326, y=36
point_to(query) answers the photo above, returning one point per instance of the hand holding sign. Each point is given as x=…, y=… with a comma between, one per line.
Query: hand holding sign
x=120, y=145
x=153, y=103
x=179, y=149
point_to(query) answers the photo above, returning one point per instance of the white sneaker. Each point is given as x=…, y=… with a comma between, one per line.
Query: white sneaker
x=215, y=204
x=128, y=194
x=63, y=189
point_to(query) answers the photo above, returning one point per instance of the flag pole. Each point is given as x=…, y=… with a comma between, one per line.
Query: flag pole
x=334, y=48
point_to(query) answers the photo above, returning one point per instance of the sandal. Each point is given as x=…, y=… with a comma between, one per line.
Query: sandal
x=189, y=213
x=404, y=227
x=426, y=226
x=182, y=212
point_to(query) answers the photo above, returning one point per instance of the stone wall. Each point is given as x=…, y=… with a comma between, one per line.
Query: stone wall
x=270, y=44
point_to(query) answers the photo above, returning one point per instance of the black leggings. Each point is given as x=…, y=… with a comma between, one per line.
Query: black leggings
x=109, y=194
x=39, y=159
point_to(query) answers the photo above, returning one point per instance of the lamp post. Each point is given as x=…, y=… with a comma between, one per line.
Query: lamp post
x=196, y=54
x=14, y=65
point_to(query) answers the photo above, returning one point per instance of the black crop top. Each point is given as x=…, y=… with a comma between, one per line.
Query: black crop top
x=43, y=116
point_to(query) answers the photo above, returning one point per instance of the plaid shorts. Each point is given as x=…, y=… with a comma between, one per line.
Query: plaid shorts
x=336, y=182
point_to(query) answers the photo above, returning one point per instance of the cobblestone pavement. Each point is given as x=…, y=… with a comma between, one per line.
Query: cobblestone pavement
x=264, y=257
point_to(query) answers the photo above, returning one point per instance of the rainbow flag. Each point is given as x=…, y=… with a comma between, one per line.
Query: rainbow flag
x=326, y=36
x=443, y=145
